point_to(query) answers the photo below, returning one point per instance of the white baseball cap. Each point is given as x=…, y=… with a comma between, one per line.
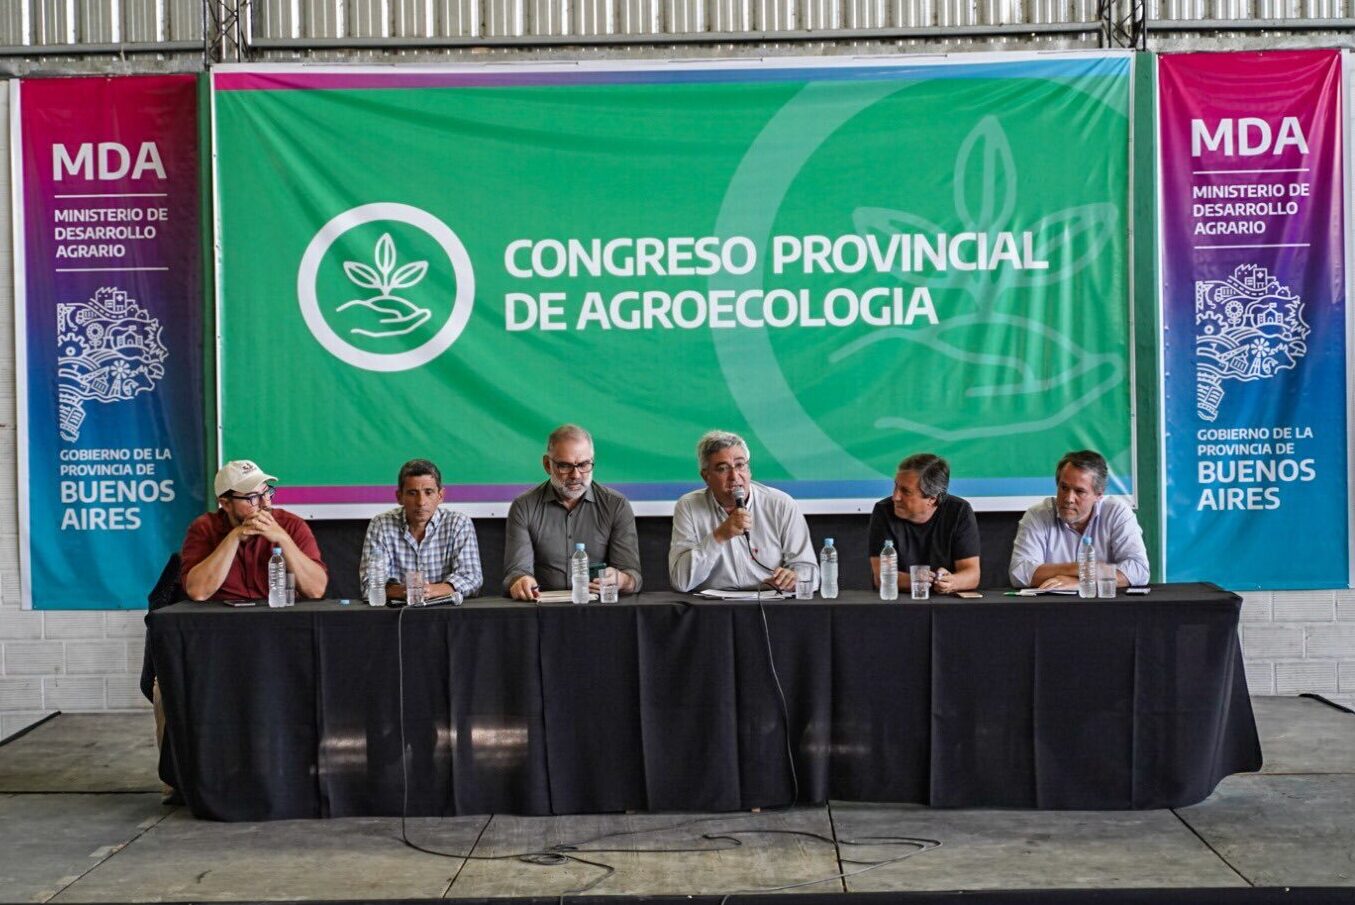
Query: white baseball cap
x=241, y=476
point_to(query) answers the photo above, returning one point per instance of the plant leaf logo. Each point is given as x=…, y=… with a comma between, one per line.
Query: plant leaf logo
x=1249, y=327
x=387, y=283
x=985, y=196
x=397, y=311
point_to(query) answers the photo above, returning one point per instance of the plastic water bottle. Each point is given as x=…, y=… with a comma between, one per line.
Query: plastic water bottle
x=828, y=569
x=578, y=575
x=277, y=579
x=376, y=586
x=889, y=572
x=1086, y=568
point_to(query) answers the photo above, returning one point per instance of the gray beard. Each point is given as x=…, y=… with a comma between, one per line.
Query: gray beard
x=560, y=490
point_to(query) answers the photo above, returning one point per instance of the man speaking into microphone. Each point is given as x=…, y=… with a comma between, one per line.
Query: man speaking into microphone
x=736, y=534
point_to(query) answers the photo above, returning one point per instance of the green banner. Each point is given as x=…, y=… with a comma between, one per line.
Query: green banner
x=844, y=262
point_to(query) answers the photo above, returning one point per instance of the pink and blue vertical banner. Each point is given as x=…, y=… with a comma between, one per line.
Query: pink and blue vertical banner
x=1254, y=341
x=109, y=326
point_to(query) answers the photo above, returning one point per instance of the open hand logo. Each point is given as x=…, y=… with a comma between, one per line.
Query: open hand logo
x=986, y=180
x=402, y=315
x=427, y=301
x=1009, y=365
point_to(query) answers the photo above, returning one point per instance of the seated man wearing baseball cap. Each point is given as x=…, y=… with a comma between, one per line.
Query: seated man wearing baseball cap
x=225, y=553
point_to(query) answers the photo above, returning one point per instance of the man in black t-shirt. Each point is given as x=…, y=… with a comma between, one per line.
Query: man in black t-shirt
x=928, y=526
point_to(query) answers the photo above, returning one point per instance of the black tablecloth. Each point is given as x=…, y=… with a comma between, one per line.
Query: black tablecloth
x=667, y=702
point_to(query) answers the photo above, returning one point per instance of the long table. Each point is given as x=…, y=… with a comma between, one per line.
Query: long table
x=669, y=702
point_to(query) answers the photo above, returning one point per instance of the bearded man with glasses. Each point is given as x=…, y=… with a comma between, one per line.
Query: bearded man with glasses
x=566, y=509
x=225, y=553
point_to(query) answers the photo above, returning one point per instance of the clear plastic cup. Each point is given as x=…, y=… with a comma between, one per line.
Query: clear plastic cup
x=608, y=588
x=1105, y=579
x=415, y=589
x=804, y=582
x=921, y=579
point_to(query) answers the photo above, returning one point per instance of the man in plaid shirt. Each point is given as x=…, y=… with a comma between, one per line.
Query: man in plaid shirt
x=419, y=534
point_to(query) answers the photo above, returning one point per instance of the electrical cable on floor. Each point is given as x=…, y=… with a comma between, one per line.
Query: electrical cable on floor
x=550, y=857
x=569, y=852
x=921, y=845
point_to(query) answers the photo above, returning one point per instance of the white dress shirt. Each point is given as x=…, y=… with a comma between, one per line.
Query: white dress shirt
x=779, y=537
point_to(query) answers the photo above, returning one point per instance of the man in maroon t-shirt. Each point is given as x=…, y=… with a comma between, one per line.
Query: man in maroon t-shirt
x=225, y=553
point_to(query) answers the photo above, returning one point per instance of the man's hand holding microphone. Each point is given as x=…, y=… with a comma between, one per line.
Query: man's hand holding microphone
x=740, y=520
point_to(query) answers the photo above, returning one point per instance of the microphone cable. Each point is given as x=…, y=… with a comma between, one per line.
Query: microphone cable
x=770, y=570
x=556, y=855
x=571, y=852
x=785, y=710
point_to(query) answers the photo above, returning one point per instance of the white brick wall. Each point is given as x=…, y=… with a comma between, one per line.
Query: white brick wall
x=1345, y=677
x=1261, y=678
x=48, y=660
x=1299, y=641
x=1296, y=677
x=73, y=624
x=1302, y=606
x=1345, y=606
x=1272, y=642
x=20, y=694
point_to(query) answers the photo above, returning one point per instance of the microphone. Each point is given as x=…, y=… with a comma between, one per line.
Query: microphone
x=740, y=499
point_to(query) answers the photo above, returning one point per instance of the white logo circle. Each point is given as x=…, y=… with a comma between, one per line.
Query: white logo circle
x=376, y=361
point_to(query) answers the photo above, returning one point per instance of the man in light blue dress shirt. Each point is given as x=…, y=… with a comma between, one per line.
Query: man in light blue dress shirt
x=1045, y=553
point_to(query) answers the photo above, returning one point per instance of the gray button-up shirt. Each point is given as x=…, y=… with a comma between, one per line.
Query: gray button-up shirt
x=779, y=537
x=542, y=534
x=1043, y=537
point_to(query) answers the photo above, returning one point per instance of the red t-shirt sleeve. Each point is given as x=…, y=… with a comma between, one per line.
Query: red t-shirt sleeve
x=305, y=541
x=198, y=544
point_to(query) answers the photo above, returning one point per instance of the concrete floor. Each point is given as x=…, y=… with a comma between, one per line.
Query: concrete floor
x=80, y=821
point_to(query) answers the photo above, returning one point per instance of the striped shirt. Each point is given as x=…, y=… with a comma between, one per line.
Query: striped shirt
x=449, y=551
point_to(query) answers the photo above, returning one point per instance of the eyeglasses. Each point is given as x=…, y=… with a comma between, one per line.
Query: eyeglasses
x=724, y=469
x=254, y=499
x=583, y=467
